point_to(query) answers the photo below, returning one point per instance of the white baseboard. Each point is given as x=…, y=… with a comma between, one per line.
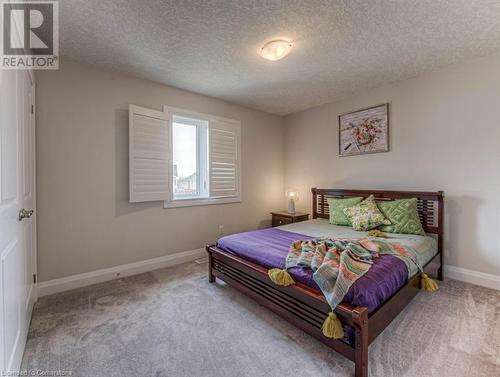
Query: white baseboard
x=50, y=287
x=473, y=277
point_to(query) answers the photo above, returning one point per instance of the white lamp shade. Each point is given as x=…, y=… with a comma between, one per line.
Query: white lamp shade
x=292, y=194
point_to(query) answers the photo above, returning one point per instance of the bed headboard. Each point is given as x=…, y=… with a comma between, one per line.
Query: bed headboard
x=430, y=204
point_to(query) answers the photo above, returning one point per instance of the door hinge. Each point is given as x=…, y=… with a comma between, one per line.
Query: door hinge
x=32, y=109
x=34, y=278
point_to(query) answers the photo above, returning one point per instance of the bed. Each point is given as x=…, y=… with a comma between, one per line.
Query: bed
x=243, y=260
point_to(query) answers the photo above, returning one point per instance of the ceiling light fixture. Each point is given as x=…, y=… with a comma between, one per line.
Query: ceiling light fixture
x=276, y=50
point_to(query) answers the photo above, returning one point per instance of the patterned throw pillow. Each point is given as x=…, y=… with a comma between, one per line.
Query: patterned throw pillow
x=366, y=215
x=336, y=208
x=403, y=215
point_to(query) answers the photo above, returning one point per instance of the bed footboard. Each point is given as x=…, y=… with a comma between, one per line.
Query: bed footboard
x=298, y=304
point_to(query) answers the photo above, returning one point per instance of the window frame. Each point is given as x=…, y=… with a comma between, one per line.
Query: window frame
x=200, y=201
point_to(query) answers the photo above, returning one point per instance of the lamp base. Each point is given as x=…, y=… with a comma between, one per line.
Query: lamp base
x=291, y=207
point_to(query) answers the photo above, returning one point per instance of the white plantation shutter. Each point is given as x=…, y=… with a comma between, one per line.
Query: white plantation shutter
x=149, y=154
x=224, y=146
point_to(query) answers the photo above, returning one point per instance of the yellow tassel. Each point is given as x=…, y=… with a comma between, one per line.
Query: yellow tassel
x=377, y=233
x=280, y=277
x=427, y=284
x=332, y=328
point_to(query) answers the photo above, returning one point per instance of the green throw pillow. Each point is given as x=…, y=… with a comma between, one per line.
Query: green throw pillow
x=403, y=216
x=336, y=208
x=366, y=215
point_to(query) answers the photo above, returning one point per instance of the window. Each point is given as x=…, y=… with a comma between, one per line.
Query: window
x=183, y=158
x=189, y=157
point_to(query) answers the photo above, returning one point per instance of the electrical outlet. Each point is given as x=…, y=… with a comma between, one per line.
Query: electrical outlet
x=203, y=260
x=221, y=230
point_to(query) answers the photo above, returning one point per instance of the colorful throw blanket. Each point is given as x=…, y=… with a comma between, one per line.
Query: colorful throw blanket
x=338, y=263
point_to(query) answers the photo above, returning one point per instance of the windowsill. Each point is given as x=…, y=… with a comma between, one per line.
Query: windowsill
x=179, y=203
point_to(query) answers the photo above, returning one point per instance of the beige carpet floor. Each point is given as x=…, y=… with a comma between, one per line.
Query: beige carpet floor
x=172, y=322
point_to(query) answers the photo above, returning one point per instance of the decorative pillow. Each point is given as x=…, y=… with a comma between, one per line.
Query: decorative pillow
x=403, y=216
x=337, y=206
x=366, y=215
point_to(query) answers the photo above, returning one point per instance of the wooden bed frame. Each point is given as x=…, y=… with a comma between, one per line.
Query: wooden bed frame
x=307, y=308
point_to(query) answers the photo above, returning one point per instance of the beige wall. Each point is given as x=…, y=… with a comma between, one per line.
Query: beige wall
x=84, y=219
x=445, y=135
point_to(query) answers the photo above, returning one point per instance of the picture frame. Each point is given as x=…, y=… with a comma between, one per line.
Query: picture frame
x=364, y=131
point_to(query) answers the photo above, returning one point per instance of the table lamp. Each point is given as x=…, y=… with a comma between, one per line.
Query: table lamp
x=292, y=196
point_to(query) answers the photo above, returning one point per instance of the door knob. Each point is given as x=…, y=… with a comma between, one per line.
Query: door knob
x=25, y=214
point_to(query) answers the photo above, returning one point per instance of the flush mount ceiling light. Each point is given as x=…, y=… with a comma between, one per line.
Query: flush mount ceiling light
x=276, y=50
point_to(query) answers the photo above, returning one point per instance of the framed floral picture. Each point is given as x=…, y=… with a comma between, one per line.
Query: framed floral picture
x=364, y=131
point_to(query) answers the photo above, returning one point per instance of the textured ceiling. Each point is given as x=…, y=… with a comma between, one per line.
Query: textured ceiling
x=341, y=47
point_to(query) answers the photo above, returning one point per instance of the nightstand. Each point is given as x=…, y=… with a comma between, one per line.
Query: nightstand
x=283, y=217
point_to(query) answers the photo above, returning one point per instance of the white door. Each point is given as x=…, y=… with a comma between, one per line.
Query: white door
x=17, y=222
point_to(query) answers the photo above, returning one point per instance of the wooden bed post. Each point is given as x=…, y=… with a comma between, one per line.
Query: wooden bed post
x=211, y=277
x=440, y=234
x=315, y=203
x=360, y=321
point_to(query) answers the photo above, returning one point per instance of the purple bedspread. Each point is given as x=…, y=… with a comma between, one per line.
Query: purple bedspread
x=269, y=248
